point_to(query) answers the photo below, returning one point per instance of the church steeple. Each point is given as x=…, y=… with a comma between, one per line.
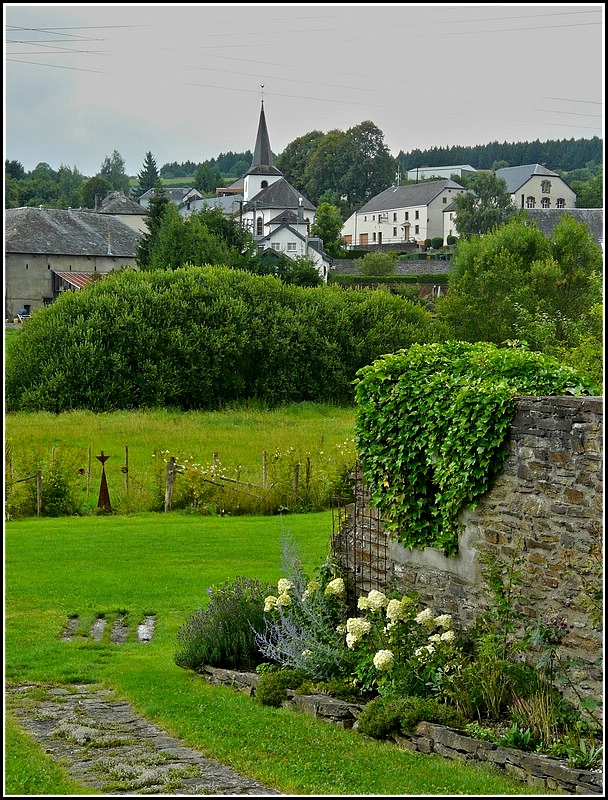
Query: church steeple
x=262, y=156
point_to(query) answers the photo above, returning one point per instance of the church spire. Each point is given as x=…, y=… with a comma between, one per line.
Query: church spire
x=262, y=156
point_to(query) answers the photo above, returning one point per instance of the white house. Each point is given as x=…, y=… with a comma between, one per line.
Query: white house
x=535, y=186
x=400, y=214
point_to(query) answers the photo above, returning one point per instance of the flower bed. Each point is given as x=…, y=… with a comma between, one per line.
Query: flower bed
x=540, y=771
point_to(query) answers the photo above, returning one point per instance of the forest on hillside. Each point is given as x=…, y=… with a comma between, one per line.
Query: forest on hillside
x=560, y=155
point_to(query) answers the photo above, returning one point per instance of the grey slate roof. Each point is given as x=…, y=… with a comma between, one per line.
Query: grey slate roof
x=54, y=231
x=228, y=204
x=413, y=194
x=173, y=193
x=547, y=219
x=281, y=195
x=515, y=177
x=119, y=203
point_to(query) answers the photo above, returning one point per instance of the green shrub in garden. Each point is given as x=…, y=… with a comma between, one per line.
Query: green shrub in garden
x=222, y=633
x=388, y=716
x=272, y=686
x=200, y=338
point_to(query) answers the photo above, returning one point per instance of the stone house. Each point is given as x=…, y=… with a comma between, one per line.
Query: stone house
x=535, y=186
x=51, y=250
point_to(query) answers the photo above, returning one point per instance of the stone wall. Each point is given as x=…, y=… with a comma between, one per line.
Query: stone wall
x=544, y=510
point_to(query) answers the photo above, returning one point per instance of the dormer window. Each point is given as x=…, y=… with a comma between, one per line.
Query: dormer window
x=545, y=187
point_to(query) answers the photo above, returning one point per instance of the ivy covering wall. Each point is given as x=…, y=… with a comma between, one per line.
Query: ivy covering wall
x=432, y=425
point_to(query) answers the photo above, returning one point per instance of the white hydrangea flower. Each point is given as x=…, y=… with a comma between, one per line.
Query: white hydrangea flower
x=358, y=626
x=435, y=638
x=270, y=603
x=377, y=600
x=341, y=628
x=351, y=640
x=336, y=588
x=448, y=636
x=284, y=599
x=444, y=621
x=384, y=659
x=395, y=610
x=425, y=617
x=430, y=649
x=363, y=604
x=284, y=585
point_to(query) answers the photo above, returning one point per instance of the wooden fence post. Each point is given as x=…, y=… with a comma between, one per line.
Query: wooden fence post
x=264, y=470
x=39, y=493
x=296, y=476
x=169, y=484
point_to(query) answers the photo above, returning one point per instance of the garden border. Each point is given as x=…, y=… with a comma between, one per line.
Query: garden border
x=533, y=769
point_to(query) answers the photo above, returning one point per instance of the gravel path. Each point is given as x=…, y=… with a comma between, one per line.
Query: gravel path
x=104, y=744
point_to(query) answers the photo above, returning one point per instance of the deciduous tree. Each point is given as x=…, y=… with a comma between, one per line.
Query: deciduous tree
x=487, y=206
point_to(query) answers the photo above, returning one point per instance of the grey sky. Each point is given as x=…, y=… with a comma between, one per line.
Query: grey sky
x=184, y=81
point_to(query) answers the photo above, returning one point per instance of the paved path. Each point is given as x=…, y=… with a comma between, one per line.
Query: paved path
x=104, y=744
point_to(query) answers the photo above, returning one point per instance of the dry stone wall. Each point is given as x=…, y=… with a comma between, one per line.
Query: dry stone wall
x=544, y=510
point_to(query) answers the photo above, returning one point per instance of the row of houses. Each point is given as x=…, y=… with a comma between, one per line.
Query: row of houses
x=48, y=251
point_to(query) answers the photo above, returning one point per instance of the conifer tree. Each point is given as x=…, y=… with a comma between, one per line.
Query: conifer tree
x=148, y=178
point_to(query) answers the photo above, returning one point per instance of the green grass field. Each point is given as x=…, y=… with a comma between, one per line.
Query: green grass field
x=162, y=564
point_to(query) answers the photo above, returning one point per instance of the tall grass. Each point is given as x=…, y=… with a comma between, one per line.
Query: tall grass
x=235, y=442
x=163, y=564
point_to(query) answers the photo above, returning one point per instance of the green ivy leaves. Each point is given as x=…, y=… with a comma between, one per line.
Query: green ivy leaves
x=432, y=426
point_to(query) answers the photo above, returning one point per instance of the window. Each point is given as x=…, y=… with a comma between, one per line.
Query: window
x=276, y=246
x=451, y=216
x=394, y=231
x=545, y=187
x=264, y=184
x=407, y=215
x=444, y=199
x=560, y=203
x=365, y=218
x=260, y=226
x=545, y=202
x=417, y=229
x=394, y=216
x=417, y=215
x=291, y=247
x=374, y=218
x=373, y=237
x=530, y=202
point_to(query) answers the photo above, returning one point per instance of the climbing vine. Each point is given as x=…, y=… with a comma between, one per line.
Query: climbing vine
x=432, y=424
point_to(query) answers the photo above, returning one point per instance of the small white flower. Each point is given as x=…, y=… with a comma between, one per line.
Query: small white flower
x=377, y=600
x=384, y=659
x=306, y=653
x=336, y=588
x=270, y=603
x=444, y=621
x=435, y=638
x=341, y=628
x=284, y=585
x=424, y=617
x=448, y=636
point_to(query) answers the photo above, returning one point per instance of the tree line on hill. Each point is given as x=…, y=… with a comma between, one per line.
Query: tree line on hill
x=342, y=168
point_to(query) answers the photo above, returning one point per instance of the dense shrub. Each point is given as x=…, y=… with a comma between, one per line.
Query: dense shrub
x=272, y=686
x=222, y=633
x=388, y=716
x=201, y=337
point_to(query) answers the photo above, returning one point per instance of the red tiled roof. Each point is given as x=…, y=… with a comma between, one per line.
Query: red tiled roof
x=77, y=279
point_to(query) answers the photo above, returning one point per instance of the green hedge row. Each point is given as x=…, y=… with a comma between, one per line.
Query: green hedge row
x=201, y=337
x=362, y=280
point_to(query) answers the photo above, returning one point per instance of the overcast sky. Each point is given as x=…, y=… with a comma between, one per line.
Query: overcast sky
x=185, y=81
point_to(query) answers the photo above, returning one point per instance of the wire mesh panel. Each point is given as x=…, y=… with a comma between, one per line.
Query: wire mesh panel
x=359, y=543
